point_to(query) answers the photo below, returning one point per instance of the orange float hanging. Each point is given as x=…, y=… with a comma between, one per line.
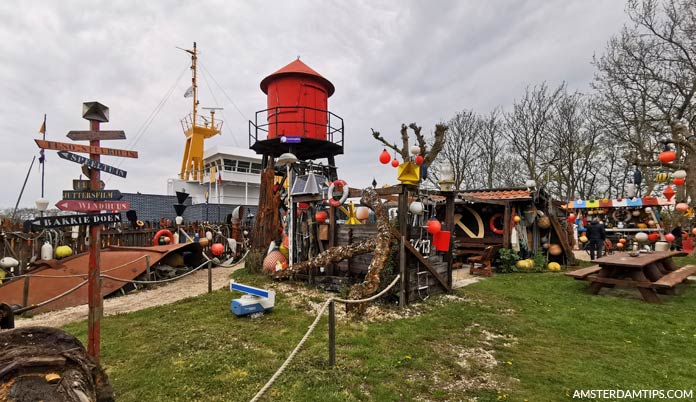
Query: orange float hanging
x=384, y=157
x=669, y=192
x=667, y=156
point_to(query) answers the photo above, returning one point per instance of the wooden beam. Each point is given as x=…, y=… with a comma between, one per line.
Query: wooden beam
x=423, y=260
x=403, y=238
x=449, y=225
x=506, y=226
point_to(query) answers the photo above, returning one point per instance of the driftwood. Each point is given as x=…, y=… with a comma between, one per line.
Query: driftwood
x=267, y=224
x=378, y=244
x=47, y=364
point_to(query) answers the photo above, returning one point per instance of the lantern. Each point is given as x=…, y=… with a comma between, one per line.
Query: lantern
x=641, y=237
x=678, y=182
x=434, y=226
x=419, y=160
x=217, y=249
x=362, y=213
x=384, y=157
x=669, y=192
x=416, y=208
x=669, y=237
x=395, y=163
x=679, y=174
x=667, y=156
x=321, y=216
x=682, y=207
x=415, y=150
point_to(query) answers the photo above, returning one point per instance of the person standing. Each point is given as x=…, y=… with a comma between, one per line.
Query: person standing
x=677, y=232
x=596, y=234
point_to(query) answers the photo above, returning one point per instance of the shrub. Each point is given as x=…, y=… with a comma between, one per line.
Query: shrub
x=254, y=260
x=540, y=262
x=507, y=258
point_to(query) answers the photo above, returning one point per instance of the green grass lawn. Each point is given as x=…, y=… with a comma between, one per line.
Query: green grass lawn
x=515, y=337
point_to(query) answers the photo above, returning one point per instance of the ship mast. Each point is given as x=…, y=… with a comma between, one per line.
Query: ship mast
x=196, y=132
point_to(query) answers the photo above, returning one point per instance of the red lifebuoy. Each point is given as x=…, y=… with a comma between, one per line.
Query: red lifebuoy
x=163, y=232
x=340, y=185
x=491, y=223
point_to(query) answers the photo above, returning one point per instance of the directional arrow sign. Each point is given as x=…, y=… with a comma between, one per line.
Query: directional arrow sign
x=74, y=220
x=85, y=149
x=96, y=135
x=69, y=156
x=90, y=206
x=93, y=195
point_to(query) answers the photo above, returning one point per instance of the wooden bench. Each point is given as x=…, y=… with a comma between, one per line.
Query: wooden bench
x=583, y=273
x=675, y=277
x=485, y=260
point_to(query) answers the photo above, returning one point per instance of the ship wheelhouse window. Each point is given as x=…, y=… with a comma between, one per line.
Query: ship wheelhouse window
x=243, y=166
x=256, y=168
x=230, y=165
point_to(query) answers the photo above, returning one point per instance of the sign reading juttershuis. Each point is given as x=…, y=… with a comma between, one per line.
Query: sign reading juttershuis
x=93, y=195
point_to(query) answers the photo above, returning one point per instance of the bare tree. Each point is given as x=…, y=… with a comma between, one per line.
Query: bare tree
x=527, y=132
x=494, y=162
x=646, y=80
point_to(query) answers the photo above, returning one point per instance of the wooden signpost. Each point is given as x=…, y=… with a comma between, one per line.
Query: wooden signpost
x=90, y=200
x=69, y=156
x=91, y=206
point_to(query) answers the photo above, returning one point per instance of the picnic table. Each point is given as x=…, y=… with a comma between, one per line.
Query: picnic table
x=651, y=273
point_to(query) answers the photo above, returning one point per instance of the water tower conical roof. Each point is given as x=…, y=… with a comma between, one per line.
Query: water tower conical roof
x=297, y=67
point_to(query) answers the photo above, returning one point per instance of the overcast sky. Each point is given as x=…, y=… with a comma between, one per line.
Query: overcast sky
x=391, y=62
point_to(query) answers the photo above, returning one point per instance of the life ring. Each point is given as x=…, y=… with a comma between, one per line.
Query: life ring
x=163, y=232
x=621, y=215
x=491, y=223
x=340, y=185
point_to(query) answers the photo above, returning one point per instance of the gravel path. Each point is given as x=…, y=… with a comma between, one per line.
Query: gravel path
x=190, y=286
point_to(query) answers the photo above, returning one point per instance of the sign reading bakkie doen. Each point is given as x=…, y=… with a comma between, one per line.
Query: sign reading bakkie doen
x=77, y=220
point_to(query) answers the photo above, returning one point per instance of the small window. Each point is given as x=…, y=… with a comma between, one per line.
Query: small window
x=243, y=166
x=230, y=165
x=256, y=168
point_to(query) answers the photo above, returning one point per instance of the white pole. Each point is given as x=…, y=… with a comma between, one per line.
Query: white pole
x=291, y=229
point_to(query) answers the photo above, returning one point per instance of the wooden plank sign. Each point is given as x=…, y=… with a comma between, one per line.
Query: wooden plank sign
x=90, y=206
x=85, y=149
x=96, y=135
x=92, y=195
x=80, y=185
x=77, y=220
x=69, y=156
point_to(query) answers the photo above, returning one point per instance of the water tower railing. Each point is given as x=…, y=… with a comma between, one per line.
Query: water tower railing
x=261, y=125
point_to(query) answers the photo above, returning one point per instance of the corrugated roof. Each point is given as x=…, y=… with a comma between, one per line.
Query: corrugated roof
x=297, y=67
x=498, y=194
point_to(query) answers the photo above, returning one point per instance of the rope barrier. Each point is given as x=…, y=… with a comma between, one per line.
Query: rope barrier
x=292, y=354
x=74, y=275
x=311, y=328
x=45, y=302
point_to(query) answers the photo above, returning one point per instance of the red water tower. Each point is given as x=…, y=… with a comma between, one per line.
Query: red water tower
x=297, y=118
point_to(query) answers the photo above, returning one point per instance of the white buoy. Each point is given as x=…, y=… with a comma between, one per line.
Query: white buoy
x=47, y=251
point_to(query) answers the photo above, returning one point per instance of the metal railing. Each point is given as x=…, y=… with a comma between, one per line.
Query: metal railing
x=334, y=124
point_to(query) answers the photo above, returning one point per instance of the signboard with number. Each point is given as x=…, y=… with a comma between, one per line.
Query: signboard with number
x=90, y=206
x=85, y=149
x=92, y=195
x=69, y=156
x=80, y=185
x=77, y=220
